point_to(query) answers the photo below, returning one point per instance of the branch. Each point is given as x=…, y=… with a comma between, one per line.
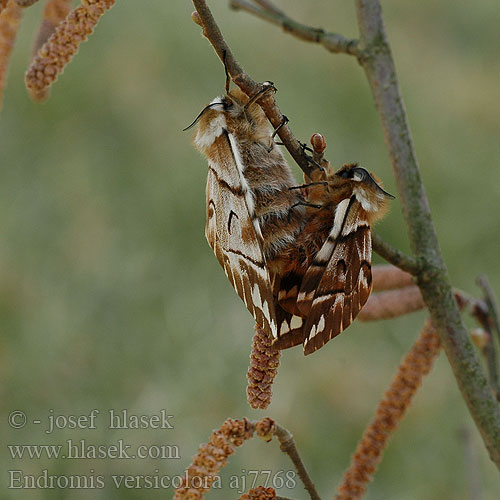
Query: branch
x=490, y=356
x=266, y=4
x=288, y=446
x=376, y=60
x=212, y=32
x=330, y=41
x=375, y=57
x=395, y=256
x=491, y=303
x=488, y=319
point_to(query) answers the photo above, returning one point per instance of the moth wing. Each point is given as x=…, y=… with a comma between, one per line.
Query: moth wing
x=290, y=324
x=288, y=291
x=233, y=232
x=290, y=329
x=338, y=283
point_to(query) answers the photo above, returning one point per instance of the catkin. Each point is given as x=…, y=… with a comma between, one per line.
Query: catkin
x=54, y=13
x=10, y=17
x=264, y=362
x=259, y=493
x=211, y=457
x=63, y=44
x=392, y=304
x=416, y=364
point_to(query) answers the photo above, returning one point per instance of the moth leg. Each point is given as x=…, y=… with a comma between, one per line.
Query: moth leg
x=284, y=121
x=315, y=163
x=305, y=147
x=305, y=204
x=267, y=87
x=228, y=77
x=319, y=183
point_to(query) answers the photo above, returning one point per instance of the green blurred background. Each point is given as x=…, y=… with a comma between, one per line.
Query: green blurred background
x=111, y=298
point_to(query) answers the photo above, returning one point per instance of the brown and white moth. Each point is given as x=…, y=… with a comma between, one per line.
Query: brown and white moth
x=303, y=276
x=252, y=214
x=326, y=272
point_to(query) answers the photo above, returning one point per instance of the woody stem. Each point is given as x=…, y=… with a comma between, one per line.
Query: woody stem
x=249, y=86
x=376, y=59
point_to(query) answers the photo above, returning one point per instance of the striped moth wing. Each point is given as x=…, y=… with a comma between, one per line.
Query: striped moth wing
x=251, y=212
x=338, y=282
x=232, y=234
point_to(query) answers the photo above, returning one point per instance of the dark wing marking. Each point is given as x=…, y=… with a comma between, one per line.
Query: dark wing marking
x=290, y=325
x=232, y=235
x=288, y=291
x=334, y=290
x=290, y=329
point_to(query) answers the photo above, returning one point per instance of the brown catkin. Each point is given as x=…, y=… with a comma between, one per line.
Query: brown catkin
x=211, y=457
x=388, y=277
x=259, y=493
x=392, y=304
x=54, y=13
x=10, y=18
x=265, y=428
x=264, y=362
x=63, y=44
x=416, y=364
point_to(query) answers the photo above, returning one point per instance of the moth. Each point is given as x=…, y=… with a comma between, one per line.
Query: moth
x=252, y=214
x=326, y=273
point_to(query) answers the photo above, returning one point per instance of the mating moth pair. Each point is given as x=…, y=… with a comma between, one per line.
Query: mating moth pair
x=303, y=275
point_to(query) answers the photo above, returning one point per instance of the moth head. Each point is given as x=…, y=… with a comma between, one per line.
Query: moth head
x=353, y=180
x=233, y=112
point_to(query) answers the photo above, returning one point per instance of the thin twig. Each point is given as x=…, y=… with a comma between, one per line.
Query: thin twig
x=486, y=318
x=267, y=5
x=212, y=32
x=288, y=446
x=491, y=302
x=394, y=256
x=490, y=356
x=332, y=42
